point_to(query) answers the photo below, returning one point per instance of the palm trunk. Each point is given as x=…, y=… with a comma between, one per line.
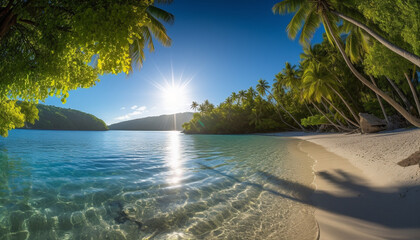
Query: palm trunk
x=403, y=53
x=306, y=105
x=330, y=112
x=281, y=118
x=341, y=113
x=413, y=91
x=339, y=128
x=284, y=109
x=345, y=103
x=400, y=93
x=380, y=103
x=412, y=119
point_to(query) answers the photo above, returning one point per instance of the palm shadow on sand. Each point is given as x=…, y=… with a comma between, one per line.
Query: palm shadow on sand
x=396, y=207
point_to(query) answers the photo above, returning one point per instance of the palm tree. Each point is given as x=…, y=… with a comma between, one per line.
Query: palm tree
x=309, y=15
x=234, y=97
x=241, y=96
x=250, y=95
x=403, y=53
x=318, y=55
x=317, y=85
x=290, y=78
x=277, y=92
x=194, y=105
x=207, y=106
x=310, y=11
x=263, y=88
x=257, y=112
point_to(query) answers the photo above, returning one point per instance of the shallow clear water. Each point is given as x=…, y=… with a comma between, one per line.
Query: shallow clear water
x=157, y=185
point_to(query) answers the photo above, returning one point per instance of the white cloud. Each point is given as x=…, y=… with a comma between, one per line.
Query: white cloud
x=122, y=108
x=137, y=111
x=142, y=108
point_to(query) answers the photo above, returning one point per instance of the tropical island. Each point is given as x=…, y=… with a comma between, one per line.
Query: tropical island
x=305, y=125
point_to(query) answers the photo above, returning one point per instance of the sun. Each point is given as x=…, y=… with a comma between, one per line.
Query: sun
x=174, y=96
x=174, y=93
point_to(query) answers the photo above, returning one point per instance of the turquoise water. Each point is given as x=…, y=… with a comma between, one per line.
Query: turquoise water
x=152, y=185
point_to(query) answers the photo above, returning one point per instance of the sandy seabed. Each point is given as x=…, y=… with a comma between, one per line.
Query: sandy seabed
x=361, y=192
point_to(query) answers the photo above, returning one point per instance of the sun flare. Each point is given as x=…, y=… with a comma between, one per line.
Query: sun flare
x=174, y=93
x=174, y=96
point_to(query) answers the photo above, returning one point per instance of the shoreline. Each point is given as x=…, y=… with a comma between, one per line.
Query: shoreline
x=360, y=191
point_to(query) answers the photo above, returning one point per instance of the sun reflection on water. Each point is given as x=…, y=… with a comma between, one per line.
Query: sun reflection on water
x=174, y=159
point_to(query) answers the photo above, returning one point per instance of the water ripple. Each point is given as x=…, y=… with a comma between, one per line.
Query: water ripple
x=161, y=185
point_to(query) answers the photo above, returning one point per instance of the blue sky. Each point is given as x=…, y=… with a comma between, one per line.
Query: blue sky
x=218, y=47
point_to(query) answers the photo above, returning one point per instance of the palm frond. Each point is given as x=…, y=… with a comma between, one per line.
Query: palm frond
x=158, y=31
x=148, y=38
x=297, y=21
x=161, y=14
x=137, y=53
x=287, y=6
x=312, y=22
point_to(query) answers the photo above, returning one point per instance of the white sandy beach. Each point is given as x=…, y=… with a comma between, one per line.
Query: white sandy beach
x=361, y=192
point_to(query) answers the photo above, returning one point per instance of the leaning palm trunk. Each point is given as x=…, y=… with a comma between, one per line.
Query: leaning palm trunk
x=403, y=53
x=412, y=119
x=413, y=90
x=345, y=103
x=339, y=128
x=294, y=119
x=380, y=102
x=284, y=121
x=341, y=113
x=400, y=93
x=280, y=116
x=306, y=105
x=332, y=114
x=284, y=109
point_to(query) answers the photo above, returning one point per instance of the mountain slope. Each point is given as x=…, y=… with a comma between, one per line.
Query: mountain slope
x=158, y=123
x=56, y=118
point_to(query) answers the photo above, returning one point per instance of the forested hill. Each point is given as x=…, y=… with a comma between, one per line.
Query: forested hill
x=158, y=123
x=56, y=118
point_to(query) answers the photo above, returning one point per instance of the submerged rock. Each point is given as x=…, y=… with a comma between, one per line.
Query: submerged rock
x=92, y=217
x=123, y=214
x=38, y=223
x=23, y=235
x=16, y=221
x=369, y=123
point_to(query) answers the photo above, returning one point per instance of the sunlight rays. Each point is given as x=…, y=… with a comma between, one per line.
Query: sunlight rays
x=174, y=93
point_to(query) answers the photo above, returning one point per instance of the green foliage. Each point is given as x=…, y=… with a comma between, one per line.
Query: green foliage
x=54, y=46
x=398, y=20
x=314, y=120
x=381, y=61
x=11, y=117
x=56, y=118
x=247, y=112
x=323, y=79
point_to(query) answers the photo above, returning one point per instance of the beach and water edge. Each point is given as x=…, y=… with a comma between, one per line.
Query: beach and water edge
x=359, y=190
